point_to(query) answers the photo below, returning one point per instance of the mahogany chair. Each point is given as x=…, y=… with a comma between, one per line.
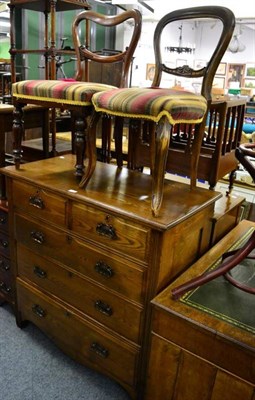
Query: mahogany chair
x=162, y=108
x=76, y=95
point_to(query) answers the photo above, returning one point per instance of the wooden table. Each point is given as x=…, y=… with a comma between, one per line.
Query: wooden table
x=35, y=117
x=203, y=345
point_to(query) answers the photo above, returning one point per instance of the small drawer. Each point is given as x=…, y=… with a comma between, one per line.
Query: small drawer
x=113, y=272
x=120, y=234
x=5, y=265
x=39, y=202
x=4, y=244
x=85, y=342
x=108, y=309
x=6, y=282
x=3, y=221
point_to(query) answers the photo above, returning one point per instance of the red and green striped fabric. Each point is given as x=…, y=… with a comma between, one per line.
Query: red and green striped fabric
x=64, y=92
x=178, y=106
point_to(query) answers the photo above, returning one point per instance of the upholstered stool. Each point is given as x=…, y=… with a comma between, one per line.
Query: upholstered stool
x=165, y=107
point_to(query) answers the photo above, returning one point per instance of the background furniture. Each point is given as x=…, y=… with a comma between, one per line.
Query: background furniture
x=50, y=50
x=222, y=135
x=167, y=107
x=87, y=263
x=203, y=344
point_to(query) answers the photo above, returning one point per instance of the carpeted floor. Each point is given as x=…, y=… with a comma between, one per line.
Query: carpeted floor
x=33, y=368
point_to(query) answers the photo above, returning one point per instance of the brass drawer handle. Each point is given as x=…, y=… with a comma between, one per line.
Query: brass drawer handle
x=106, y=230
x=36, y=201
x=38, y=310
x=4, y=265
x=103, y=269
x=99, y=350
x=40, y=273
x=103, y=308
x=4, y=288
x=4, y=243
x=37, y=237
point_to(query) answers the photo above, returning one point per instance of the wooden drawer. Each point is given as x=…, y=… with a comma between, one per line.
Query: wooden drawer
x=113, y=311
x=4, y=244
x=79, y=338
x=119, y=275
x=114, y=232
x=39, y=202
x=3, y=221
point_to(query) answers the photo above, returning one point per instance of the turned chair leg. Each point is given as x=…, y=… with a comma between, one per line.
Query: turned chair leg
x=18, y=133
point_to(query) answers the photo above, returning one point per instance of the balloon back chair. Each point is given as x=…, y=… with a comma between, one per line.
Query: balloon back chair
x=75, y=95
x=158, y=109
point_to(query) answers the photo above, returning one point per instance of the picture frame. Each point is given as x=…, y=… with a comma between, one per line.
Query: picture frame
x=250, y=70
x=249, y=83
x=180, y=62
x=222, y=69
x=235, y=74
x=198, y=64
x=150, y=71
x=219, y=82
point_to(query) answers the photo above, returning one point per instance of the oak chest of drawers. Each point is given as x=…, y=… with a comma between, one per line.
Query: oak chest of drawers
x=88, y=262
x=202, y=345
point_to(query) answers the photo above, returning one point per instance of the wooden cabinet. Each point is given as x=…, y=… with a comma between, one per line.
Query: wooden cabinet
x=89, y=261
x=202, y=345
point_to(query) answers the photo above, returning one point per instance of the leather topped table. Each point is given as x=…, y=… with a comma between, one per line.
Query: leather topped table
x=203, y=345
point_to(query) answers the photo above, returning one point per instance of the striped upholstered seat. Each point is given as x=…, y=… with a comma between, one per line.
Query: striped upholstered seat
x=177, y=106
x=60, y=92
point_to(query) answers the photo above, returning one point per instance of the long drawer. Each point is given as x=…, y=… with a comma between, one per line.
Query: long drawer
x=107, y=308
x=83, y=341
x=119, y=275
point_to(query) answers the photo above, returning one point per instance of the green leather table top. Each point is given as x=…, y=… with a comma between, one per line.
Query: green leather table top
x=225, y=301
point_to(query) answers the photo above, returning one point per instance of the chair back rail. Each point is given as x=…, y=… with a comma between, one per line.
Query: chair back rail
x=85, y=55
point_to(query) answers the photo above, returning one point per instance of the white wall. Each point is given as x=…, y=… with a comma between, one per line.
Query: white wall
x=203, y=36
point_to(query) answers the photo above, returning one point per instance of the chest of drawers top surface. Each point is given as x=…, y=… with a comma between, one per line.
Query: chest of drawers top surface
x=120, y=191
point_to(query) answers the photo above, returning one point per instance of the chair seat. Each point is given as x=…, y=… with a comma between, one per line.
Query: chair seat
x=178, y=106
x=63, y=92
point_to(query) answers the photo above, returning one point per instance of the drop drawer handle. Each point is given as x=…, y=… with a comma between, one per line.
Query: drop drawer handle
x=38, y=310
x=99, y=350
x=103, y=269
x=103, y=308
x=3, y=221
x=37, y=237
x=40, y=273
x=4, y=265
x=4, y=288
x=106, y=230
x=4, y=243
x=36, y=201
